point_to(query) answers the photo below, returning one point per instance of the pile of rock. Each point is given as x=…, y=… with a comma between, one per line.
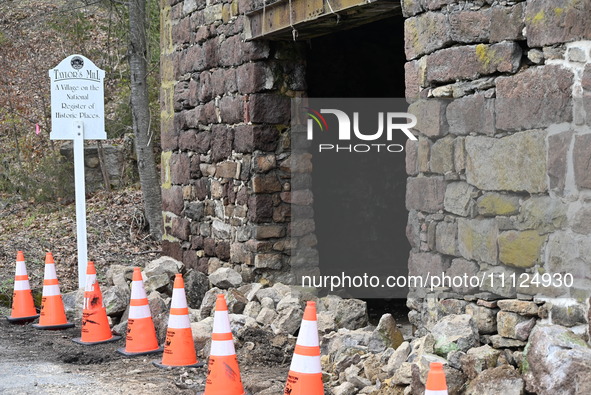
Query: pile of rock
x=483, y=345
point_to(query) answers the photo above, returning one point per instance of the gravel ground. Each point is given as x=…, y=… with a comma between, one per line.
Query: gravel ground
x=48, y=362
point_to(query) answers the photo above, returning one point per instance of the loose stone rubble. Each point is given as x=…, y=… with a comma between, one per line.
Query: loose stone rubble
x=486, y=347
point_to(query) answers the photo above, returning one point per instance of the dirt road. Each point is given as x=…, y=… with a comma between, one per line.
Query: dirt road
x=48, y=362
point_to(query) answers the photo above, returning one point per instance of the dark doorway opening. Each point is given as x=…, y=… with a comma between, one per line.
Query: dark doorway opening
x=364, y=62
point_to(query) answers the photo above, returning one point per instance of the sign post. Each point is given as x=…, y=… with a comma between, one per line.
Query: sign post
x=77, y=113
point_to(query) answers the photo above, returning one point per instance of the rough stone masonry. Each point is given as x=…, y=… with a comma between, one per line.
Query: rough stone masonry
x=499, y=183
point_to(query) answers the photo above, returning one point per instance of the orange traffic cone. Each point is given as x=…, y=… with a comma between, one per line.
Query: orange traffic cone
x=95, y=324
x=305, y=372
x=23, y=306
x=53, y=315
x=141, y=334
x=179, y=348
x=436, y=384
x=223, y=373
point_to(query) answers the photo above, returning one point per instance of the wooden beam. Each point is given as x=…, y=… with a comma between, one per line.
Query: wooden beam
x=312, y=18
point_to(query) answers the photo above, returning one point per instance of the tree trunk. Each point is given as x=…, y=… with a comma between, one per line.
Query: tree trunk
x=138, y=55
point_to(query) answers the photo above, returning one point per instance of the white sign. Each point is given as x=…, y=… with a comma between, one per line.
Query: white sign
x=78, y=113
x=77, y=94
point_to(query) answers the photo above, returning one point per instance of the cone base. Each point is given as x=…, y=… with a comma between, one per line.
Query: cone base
x=54, y=327
x=133, y=354
x=195, y=365
x=79, y=341
x=16, y=320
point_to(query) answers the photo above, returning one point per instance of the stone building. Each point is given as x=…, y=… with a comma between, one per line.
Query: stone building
x=498, y=184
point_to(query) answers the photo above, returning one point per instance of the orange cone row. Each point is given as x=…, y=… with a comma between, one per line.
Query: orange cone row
x=95, y=323
x=53, y=314
x=223, y=375
x=23, y=306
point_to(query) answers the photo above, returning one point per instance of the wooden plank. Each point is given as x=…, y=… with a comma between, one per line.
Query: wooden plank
x=311, y=18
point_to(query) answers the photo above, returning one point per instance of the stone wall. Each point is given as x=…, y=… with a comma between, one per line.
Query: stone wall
x=225, y=140
x=498, y=182
x=499, y=179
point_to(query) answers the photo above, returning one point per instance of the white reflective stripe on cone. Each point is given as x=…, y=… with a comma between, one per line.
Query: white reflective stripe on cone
x=21, y=268
x=21, y=285
x=431, y=392
x=308, y=335
x=137, y=290
x=137, y=312
x=90, y=280
x=179, y=299
x=221, y=322
x=178, y=321
x=51, y=290
x=305, y=364
x=49, y=273
x=222, y=348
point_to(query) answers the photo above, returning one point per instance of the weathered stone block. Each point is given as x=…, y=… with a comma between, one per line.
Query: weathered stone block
x=180, y=228
x=459, y=198
x=420, y=263
x=472, y=61
x=172, y=200
x=497, y=281
x=413, y=229
x=232, y=109
x=266, y=183
x=521, y=307
x=485, y=318
x=520, y=249
x=254, y=77
x=411, y=7
x=477, y=239
x=248, y=138
x=226, y=169
x=478, y=360
x=507, y=23
x=513, y=163
x=454, y=332
x=556, y=357
x=260, y=208
x=568, y=314
x=446, y=238
x=442, y=156
x=262, y=232
x=470, y=26
x=430, y=115
x=412, y=79
x=581, y=220
x=504, y=379
x=425, y=193
x=221, y=146
x=269, y=108
x=582, y=161
x=569, y=253
x=423, y=154
x=425, y=33
x=493, y=204
x=542, y=213
x=268, y=261
x=535, y=98
x=459, y=154
x=514, y=326
x=471, y=114
x=460, y=268
x=553, y=22
x=412, y=151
